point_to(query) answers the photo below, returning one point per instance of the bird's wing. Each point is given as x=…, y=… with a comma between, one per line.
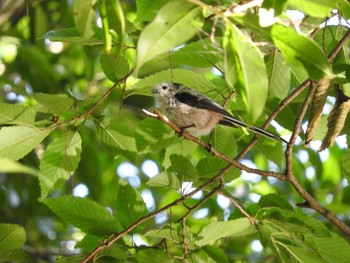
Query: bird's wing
x=198, y=100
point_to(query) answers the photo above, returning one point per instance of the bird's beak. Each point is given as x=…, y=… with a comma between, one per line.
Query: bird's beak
x=155, y=90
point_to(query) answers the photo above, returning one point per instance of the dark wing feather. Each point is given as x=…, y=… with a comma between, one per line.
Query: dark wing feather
x=196, y=99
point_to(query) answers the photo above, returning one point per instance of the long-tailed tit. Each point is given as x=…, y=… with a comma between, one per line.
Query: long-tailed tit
x=196, y=113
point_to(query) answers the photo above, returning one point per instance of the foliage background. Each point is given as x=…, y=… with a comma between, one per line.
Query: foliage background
x=66, y=126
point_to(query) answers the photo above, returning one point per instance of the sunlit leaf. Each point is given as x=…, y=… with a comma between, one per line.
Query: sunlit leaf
x=245, y=71
x=184, y=77
x=10, y=166
x=15, y=114
x=84, y=15
x=217, y=230
x=114, y=138
x=17, y=141
x=300, y=51
x=60, y=160
x=11, y=236
x=54, y=103
x=164, y=179
x=314, y=8
x=174, y=24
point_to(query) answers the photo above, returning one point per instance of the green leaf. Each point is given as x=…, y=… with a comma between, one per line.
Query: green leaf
x=84, y=15
x=216, y=253
x=201, y=54
x=70, y=35
x=333, y=249
x=210, y=166
x=346, y=164
x=344, y=8
x=15, y=114
x=185, y=77
x=274, y=200
x=60, y=160
x=129, y=205
x=298, y=254
x=17, y=141
x=114, y=66
x=218, y=230
x=175, y=23
x=116, y=20
x=147, y=9
x=183, y=168
x=272, y=149
x=245, y=70
x=83, y=213
x=55, y=103
x=11, y=237
x=314, y=8
x=153, y=135
x=224, y=141
x=114, y=138
x=279, y=75
x=164, y=179
x=10, y=166
x=14, y=255
x=299, y=50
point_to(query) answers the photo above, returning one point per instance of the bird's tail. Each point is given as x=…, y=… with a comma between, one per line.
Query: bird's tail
x=233, y=122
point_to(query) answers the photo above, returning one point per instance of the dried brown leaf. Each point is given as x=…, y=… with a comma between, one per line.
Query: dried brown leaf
x=336, y=119
x=318, y=101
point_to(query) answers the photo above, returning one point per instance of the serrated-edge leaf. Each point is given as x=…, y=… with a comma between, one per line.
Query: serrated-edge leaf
x=275, y=200
x=15, y=114
x=11, y=236
x=183, y=167
x=114, y=66
x=174, y=24
x=217, y=230
x=17, y=141
x=116, y=139
x=129, y=205
x=164, y=179
x=55, y=103
x=83, y=213
x=60, y=160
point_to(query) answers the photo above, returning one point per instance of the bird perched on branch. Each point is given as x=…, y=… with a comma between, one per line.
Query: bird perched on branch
x=196, y=113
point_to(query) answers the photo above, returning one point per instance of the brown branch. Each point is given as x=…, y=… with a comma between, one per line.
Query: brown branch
x=86, y=114
x=212, y=150
x=112, y=238
x=191, y=209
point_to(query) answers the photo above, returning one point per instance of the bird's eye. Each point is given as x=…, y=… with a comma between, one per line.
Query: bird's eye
x=164, y=87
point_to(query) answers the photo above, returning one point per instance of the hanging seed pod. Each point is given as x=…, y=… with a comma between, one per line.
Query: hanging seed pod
x=336, y=118
x=318, y=101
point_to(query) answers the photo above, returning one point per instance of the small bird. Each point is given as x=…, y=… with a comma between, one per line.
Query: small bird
x=196, y=113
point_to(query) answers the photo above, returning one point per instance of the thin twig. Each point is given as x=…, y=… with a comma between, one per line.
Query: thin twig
x=212, y=150
x=236, y=204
